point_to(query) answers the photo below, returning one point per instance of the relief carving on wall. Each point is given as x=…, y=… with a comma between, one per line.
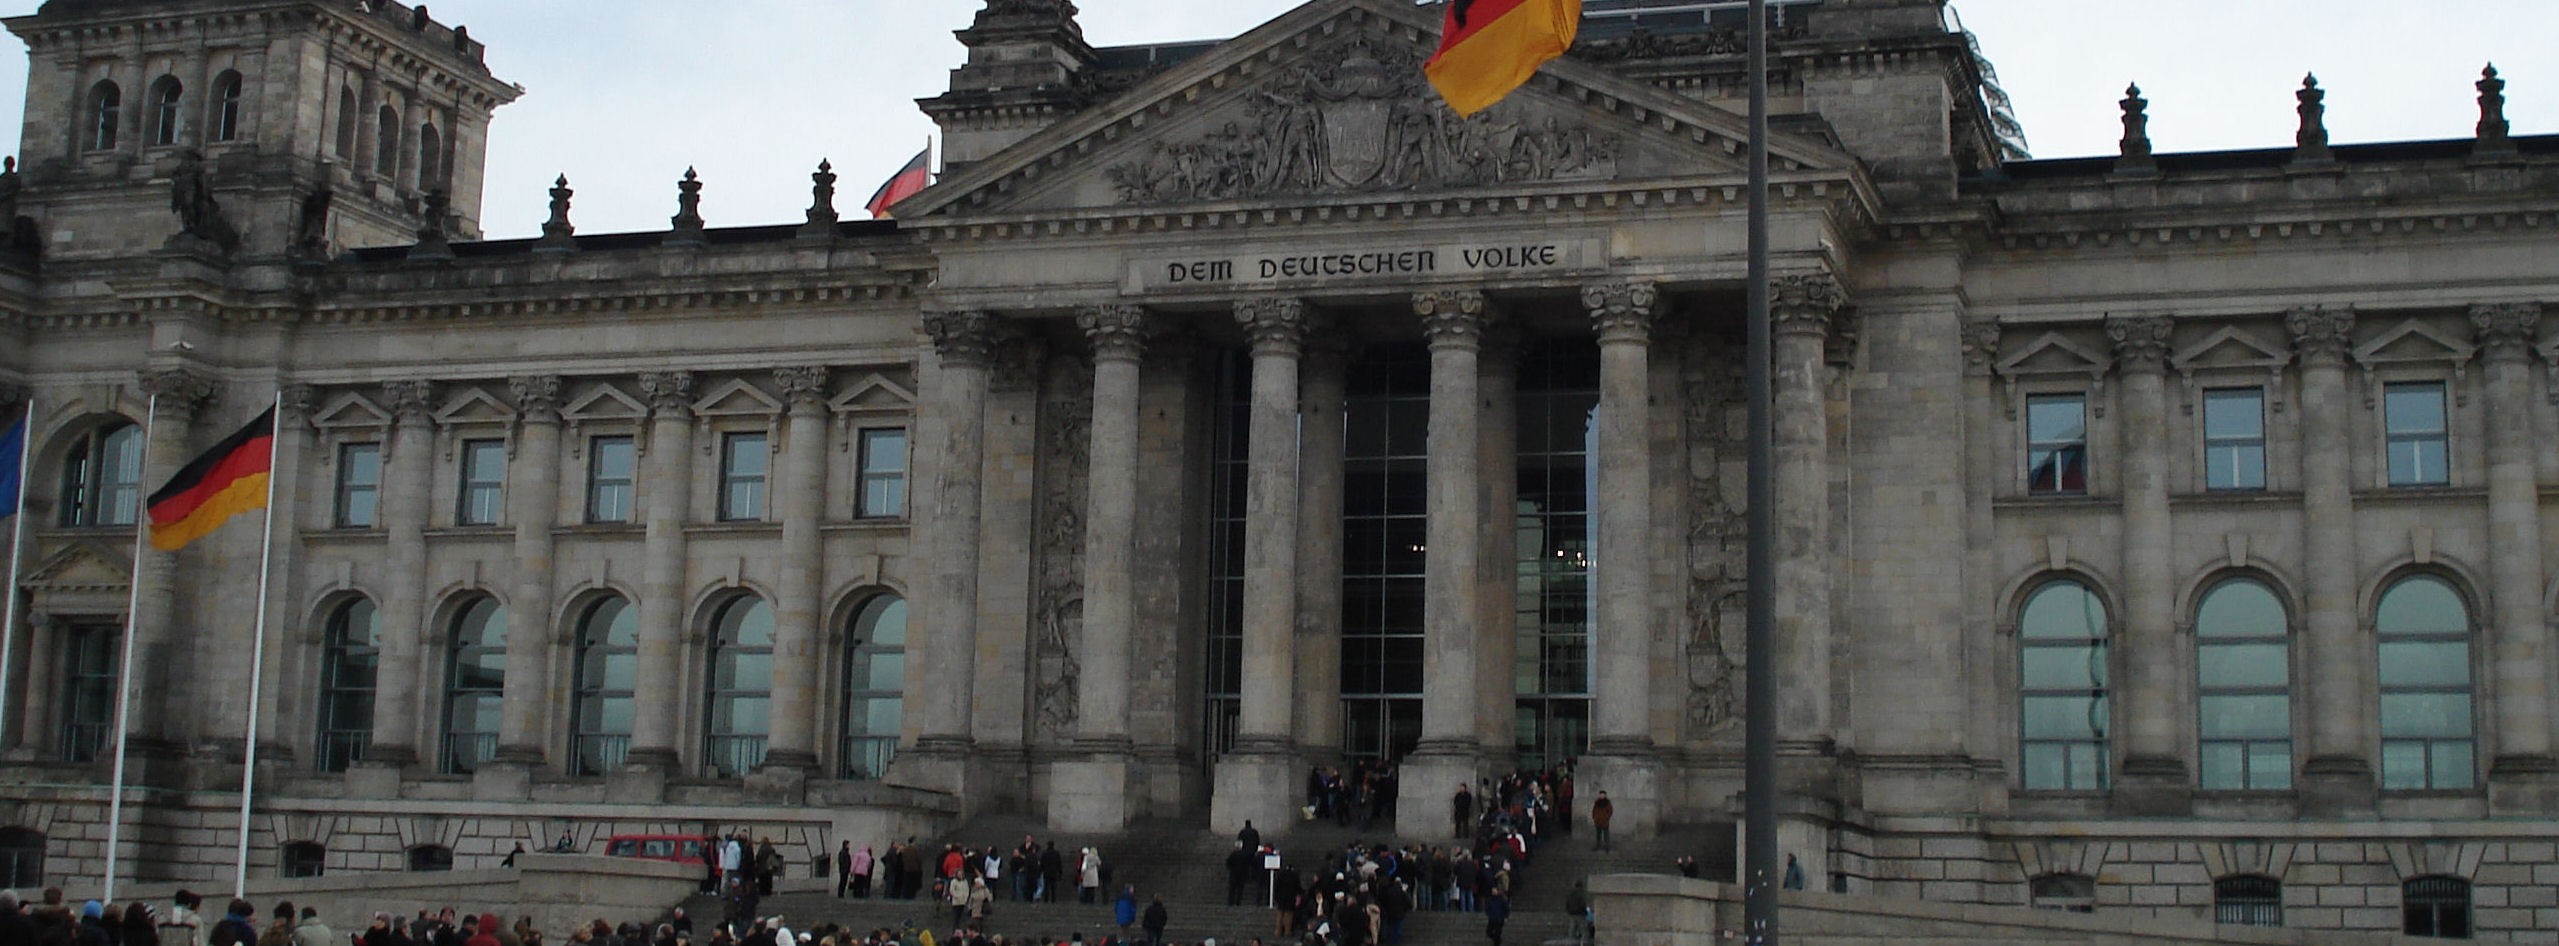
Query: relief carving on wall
x=1359, y=118
x=1716, y=580
x=1065, y=443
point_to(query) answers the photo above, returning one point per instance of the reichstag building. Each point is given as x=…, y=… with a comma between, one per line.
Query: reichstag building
x=2157, y=533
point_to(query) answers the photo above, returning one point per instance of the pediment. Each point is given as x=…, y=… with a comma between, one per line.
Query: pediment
x=2229, y=347
x=474, y=406
x=351, y=411
x=874, y=393
x=2413, y=341
x=83, y=567
x=1329, y=102
x=2053, y=354
x=736, y=398
x=604, y=402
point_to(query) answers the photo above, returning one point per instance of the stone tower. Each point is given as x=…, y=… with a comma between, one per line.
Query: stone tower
x=1026, y=62
x=299, y=127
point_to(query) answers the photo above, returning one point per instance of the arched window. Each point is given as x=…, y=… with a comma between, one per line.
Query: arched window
x=166, y=94
x=874, y=687
x=2427, y=726
x=2243, y=677
x=2435, y=906
x=2062, y=677
x=102, y=477
x=429, y=857
x=738, y=714
x=346, y=123
x=386, y=150
x=474, y=685
x=608, y=671
x=350, y=664
x=106, y=115
x=21, y=859
x=305, y=859
x=2075, y=893
x=226, y=106
x=430, y=158
x=2248, y=900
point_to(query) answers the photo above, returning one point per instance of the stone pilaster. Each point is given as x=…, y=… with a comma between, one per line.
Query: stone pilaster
x=1326, y=387
x=951, y=436
x=533, y=500
x=408, y=475
x=2154, y=778
x=2337, y=774
x=1622, y=759
x=1801, y=309
x=1092, y=793
x=1450, y=752
x=176, y=397
x=666, y=497
x=797, y=616
x=1257, y=782
x=1987, y=656
x=2523, y=779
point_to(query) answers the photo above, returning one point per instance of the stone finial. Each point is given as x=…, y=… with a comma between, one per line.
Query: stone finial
x=558, y=235
x=2507, y=331
x=431, y=243
x=688, y=212
x=2321, y=336
x=2134, y=158
x=1118, y=332
x=1621, y=311
x=822, y=215
x=1805, y=304
x=2493, y=128
x=1276, y=326
x=962, y=336
x=2311, y=142
x=537, y=397
x=2141, y=343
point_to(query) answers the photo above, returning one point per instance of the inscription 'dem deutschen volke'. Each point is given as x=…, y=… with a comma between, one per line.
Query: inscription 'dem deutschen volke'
x=1332, y=265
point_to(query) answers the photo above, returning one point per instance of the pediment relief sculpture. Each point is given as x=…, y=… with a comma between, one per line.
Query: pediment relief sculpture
x=1358, y=118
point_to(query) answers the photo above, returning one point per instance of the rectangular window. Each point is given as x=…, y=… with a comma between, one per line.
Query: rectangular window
x=2235, y=438
x=483, y=482
x=359, y=485
x=610, y=465
x=883, y=474
x=2414, y=414
x=2057, y=444
x=744, y=461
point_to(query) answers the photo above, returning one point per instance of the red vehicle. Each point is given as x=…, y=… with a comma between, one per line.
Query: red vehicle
x=680, y=848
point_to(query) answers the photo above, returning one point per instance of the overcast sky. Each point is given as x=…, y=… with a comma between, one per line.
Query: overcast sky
x=623, y=95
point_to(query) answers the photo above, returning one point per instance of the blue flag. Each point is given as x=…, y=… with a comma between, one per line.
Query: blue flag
x=13, y=449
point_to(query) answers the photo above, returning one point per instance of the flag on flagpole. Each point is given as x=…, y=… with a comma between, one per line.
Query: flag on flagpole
x=226, y=481
x=1489, y=48
x=13, y=459
x=915, y=176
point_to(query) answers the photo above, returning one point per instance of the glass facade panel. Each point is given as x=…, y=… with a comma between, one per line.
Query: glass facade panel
x=102, y=478
x=2428, y=720
x=2235, y=438
x=883, y=474
x=1558, y=406
x=2057, y=443
x=474, y=685
x=1230, y=469
x=2243, y=669
x=738, y=710
x=744, y=464
x=612, y=465
x=359, y=485
x=483, y=483
x=1385, y=524
x=2414, y=414
x=607, y=679
x=350, y=667
x=2064, y=718
x=874, y=688
x=89, y=691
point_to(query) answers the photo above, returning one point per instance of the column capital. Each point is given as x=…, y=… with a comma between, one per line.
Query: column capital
x=1277, y=326
x=1804, y=305
x=2321, y=336
x=962, y=336
x=299, y=399
x=412, y=402
x=1118, y=331
x=1453, y=318
x=1981, y=347
x=803, y=387
x=2141, y=342
x=669, y=393
x=182, y=391
x=537, y=397
x=2506, y=331
x=1621, y=311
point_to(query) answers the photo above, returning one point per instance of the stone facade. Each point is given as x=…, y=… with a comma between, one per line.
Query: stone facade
x=2145, y=523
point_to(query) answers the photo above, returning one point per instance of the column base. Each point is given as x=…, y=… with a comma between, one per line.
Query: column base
x=937, y=764
x=2523, y=785
x=641, y=778
x=1426, y=782
x=1260, y=787
x=2153, y=787
x=2336, y=787
x=783, y=780
x=1633, y=783
x=375, y=778
x=502, y=780
x=1090, y=795
x=1808, y=769
x=521, y=755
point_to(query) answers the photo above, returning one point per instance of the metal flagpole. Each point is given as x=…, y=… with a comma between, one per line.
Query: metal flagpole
x=257, y=664
x=17, y=551
x=1759, y=754
x=124, y=675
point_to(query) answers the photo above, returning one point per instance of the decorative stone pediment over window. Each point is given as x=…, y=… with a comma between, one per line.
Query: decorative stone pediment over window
x=474, y=413
x=871, y=399
x=2412, y=343
x=2055, y=356
x=348, y=417
x=82, y=578
x=2230, y=353
x=603, y=405
x=729, y=402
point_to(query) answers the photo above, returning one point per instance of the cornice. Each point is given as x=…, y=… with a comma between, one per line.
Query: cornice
x=2206, y=227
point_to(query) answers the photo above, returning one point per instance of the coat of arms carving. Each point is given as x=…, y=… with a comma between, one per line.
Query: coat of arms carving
x=1358, y=117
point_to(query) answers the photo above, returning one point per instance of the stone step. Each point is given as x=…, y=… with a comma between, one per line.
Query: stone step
x=1191, y=922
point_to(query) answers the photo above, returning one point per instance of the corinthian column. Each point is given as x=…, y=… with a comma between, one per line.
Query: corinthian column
x=666, y=494
x=942, y=621
x=1257, y=781
x=534, y=498
x=1090, y=794
x=1621, y=746
x=176, y=397
x=2337, y=776
x=398, y=713
x=1801, y=308
x=2524, y=778
x=796, y=616
x=2154, y=781
x=1450, y=750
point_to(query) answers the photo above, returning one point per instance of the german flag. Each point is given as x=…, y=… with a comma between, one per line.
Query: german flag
x=914, y=177
x=226, y=481
x=1489, y=48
